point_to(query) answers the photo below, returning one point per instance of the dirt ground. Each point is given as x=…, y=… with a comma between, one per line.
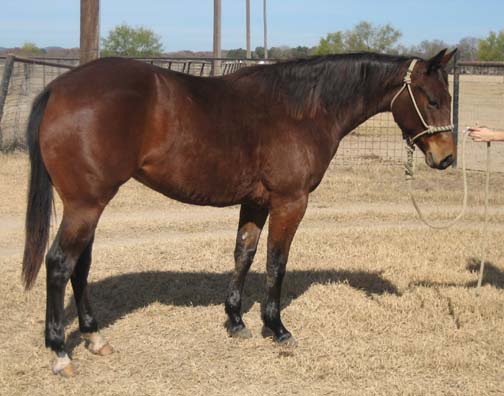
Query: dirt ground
x=379, y=303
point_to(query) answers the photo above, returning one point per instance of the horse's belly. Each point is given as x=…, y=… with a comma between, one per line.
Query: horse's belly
x=201, y=184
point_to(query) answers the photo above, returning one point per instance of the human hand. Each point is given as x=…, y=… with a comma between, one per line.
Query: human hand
x=482, y=134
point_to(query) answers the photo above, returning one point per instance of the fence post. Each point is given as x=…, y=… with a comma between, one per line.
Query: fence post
x=456, y=102
x=4, y=89
x=89, y=30
x=216, y=64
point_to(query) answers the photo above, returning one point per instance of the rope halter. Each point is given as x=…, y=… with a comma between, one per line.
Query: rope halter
x=430, y=129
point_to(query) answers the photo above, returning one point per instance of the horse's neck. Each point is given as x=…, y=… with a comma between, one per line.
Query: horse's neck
x=362, y=109
x=345, y=119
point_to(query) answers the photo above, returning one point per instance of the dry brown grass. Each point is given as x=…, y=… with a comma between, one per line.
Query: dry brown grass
x=380, y=304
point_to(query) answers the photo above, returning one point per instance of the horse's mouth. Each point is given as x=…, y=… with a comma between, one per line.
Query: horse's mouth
x=443, y=164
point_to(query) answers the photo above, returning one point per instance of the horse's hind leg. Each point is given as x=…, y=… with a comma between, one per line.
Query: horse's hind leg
x=87, y=323
x=252, y=221
x=74, y=235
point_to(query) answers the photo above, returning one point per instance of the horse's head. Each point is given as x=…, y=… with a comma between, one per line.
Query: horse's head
x=422, y=109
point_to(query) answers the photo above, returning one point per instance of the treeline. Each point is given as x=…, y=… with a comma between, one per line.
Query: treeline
x=30, y=49
x=125, y=40
x=385, y=39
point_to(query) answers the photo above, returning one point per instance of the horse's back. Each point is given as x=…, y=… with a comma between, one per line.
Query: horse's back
x=114, y=119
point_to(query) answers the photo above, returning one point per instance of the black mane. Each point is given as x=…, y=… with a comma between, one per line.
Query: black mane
x=306, y=86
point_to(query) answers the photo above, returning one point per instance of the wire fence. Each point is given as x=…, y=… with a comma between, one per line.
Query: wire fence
x=479, y=98
x=481, y=102
x=26, y=78
x=22, y=81
x=377, y=139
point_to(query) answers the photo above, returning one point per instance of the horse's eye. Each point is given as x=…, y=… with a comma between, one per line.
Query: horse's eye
x=433, y=103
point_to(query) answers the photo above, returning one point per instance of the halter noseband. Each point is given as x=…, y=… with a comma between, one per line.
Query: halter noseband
x=430, y=130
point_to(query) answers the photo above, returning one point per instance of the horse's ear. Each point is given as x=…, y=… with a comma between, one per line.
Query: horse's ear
x=447, y=57
x=435, y=63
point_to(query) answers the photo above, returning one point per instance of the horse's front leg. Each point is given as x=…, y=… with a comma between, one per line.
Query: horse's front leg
x=252, y=221
x=285, y=216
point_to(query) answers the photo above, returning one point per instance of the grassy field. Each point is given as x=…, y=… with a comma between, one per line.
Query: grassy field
x=379, y=304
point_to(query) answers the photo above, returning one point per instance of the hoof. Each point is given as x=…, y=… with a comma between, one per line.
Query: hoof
x=105, y=350
x=266, y=332
x=68, y=372
x=64, y=367
x=242, y=333
x=287, y=341
x=97, y=345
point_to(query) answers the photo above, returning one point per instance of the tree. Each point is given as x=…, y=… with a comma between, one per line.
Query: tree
x=428, y=48
x=492, y=48
x=29, y=48
x=282, y=52
x=332, y=44
x=238, y=53
x=258, y=53
x=363, y=37
x=366, y=37
x=300, y=52
x=125, y=40
x=468, y=48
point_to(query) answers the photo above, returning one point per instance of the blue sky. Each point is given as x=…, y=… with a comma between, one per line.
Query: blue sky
x=188, y=24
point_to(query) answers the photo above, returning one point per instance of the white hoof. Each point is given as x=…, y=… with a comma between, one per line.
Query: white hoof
x=97, y=344
x=63, y=366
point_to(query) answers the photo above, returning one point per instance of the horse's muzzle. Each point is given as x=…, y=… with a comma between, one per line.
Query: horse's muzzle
x=443, y=164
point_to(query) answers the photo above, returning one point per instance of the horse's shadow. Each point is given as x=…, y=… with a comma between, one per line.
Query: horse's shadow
x=114, y=297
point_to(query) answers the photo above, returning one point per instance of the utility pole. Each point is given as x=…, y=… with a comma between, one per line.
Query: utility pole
x=248, y=30
x=265, y=31
x=89, y=30
x=217, y=38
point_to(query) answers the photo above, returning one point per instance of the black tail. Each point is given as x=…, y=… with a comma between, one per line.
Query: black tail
x=40, y=197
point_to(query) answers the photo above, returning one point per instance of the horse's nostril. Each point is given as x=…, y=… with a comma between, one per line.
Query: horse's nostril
x=429, y=159
x=446, y=162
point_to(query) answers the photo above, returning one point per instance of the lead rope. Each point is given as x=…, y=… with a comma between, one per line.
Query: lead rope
x=410, y=166
x=409, y=171
x=484, y=243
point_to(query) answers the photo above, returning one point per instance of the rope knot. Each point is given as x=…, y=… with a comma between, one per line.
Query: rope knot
x=409, y=166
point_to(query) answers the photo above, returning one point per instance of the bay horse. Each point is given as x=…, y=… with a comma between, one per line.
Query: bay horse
x=262, y=138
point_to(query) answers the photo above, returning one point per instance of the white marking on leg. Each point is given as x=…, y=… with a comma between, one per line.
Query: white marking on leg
x=244, y=236
x=60, y=363
x=95, y=341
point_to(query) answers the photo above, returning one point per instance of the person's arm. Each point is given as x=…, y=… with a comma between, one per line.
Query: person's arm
x=486, y=135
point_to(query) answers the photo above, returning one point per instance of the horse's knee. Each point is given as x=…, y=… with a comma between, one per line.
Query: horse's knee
x=246, y=247
x=244, y=255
